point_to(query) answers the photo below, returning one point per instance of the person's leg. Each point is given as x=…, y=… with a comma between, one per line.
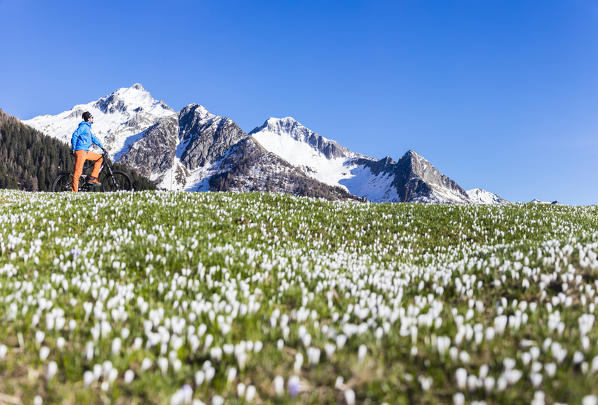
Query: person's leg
x=79, y=161
x=97, y=165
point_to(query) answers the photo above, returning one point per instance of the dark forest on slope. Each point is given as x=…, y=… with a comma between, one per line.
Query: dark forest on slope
x=30, y=160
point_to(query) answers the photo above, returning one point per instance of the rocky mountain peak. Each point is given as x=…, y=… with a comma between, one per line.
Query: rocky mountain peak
x=135, y=89
x=413, y=155
x=198, y=111
x=279, y=126
x=418, y=164
x=132, y=100
x=204, y=136
x=420, y=177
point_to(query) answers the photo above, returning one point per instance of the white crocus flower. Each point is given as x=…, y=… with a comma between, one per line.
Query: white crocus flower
x=278, y=385
x=129, y=376
x=44, y=352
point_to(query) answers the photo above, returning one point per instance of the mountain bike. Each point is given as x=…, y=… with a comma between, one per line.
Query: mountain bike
x=112, y=180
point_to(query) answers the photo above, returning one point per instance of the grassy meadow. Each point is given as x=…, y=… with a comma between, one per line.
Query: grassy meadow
x=234, y=298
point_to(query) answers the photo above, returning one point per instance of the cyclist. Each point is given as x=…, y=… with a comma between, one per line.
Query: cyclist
x=80, y=143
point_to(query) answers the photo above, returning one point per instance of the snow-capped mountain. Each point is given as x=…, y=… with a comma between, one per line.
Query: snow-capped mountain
x=119, y=118
x=412, y=178
x=479, y=196
x=196, y=150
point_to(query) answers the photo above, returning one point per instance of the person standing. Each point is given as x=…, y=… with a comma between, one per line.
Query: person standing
x=81, y=141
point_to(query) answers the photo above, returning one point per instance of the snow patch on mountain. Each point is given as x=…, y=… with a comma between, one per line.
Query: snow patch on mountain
x=441, y=195
x=375, y=188
x=199, y=179
x=127, y=144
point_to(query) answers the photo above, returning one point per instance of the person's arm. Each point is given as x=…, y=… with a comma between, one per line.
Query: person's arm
x=96, y=140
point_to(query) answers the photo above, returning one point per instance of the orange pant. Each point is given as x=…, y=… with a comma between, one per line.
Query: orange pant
x=81, y=156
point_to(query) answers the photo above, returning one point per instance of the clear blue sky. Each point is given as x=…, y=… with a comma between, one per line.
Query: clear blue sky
x=501, y=95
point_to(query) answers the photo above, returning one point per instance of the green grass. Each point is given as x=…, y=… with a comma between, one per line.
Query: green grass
x=173, y=268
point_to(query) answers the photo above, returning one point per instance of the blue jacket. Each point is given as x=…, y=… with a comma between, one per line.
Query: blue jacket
x=83, y=138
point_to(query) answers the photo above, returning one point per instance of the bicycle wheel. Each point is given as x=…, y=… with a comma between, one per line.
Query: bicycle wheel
x=63, y=182
x=119, y=181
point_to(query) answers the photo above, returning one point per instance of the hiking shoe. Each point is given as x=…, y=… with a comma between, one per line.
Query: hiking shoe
x=94, y=181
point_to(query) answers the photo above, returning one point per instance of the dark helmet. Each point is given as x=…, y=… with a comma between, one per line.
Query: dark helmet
x=86, y=116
